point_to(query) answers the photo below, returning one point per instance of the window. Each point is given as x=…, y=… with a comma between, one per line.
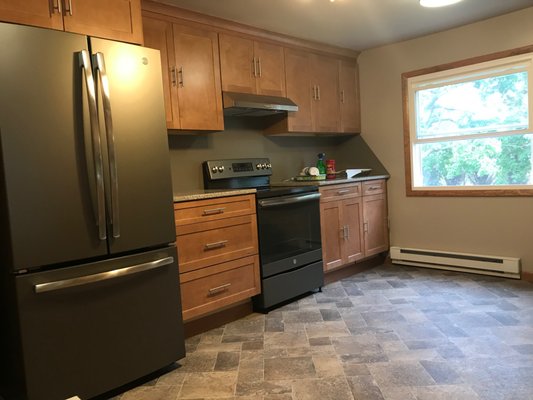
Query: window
x=469, y=128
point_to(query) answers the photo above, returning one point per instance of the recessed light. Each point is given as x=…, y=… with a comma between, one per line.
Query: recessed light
x=437, y=3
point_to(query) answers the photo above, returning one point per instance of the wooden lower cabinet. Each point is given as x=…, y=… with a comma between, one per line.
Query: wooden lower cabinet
x=209, y=289
x=354, y=225
x=375, y=217
x=217, y=253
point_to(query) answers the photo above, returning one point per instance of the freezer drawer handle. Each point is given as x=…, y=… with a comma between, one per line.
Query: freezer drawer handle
x=99, y=61
x=288, y=200
x=85, y=63
x=103, y=276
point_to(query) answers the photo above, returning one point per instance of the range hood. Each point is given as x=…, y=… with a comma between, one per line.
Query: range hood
x=253, y=105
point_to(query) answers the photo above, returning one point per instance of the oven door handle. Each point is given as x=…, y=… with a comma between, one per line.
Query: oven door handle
x=280, y=201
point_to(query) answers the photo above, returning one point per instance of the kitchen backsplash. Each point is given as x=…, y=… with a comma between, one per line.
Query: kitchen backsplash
x=243, y=138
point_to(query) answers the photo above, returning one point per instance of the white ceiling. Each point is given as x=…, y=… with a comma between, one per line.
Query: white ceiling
x=354, y=24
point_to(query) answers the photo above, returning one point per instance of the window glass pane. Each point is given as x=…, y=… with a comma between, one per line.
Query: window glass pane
x=494, y=104
x=503, y=160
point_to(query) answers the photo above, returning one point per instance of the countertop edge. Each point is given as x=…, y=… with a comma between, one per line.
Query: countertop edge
x=330, y=182
x=210, y=194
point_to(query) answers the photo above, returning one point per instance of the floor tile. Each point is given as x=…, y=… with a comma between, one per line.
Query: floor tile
x=388, y=333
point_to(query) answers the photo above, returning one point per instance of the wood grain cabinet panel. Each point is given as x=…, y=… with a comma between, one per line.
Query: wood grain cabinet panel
x=192, y=212
x=376, y=231
x=326, y=105
x=217, y=252
x=314, y=82
x=191, y=74
x=109, y=19
x=354, y=222
x=212, y=288
x=350, y=114
x=201, y=245
x=341, y=223
x=43, y=13
x=251, y=66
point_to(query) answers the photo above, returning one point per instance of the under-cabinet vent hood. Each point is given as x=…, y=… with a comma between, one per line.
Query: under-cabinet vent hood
x=253, y=105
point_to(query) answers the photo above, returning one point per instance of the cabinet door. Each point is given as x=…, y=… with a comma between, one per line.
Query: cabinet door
x=198, y=78
x=44, y=13
x=326, y=108
x=270, y=69
x=376, y=233
x=158, y=35
x=332, y=234
x=349, y=96
x=110, y=19
x=237, y=64
x=299, y=90
x=352, y=213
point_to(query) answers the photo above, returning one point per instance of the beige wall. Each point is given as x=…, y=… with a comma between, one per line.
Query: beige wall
x=497, y=226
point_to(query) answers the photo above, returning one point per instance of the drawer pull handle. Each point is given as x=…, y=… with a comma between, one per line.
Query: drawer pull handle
x=374, y=188
x=214, y=211
x=343, y=191
x=218, y=289
x=216, y=245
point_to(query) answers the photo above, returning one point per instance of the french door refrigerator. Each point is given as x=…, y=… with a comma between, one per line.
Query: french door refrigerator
x=88, y=268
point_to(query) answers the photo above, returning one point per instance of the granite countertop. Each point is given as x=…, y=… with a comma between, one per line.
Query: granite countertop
x=201, y=194
x=337, y=181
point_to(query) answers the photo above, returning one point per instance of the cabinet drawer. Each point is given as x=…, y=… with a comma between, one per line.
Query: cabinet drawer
x=373, y=187
x=338, y=192
x=201, y=245
x=191, y=212
x=211, y=288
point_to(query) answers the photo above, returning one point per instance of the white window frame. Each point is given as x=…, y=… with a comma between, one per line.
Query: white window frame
x=469, y=70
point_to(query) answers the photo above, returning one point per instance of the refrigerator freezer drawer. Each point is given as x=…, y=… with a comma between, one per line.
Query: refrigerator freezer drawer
x=88, y=329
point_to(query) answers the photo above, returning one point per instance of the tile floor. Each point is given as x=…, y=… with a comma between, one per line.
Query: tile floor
x=390, y=333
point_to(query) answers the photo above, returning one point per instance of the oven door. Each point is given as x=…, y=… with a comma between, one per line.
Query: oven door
x=289, y=232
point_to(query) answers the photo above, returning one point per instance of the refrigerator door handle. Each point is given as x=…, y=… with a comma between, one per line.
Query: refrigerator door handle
x=103, y=276
x=99, y=62
x=85, y=63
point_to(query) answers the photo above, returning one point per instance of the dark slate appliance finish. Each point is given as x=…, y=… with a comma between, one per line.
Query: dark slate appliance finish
x=288, y=223
x=89, y=290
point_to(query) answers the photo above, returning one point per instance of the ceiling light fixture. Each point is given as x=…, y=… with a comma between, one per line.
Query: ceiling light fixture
x=437, y=3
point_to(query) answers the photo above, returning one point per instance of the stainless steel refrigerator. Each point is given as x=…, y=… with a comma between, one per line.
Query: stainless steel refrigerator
x=88, y=268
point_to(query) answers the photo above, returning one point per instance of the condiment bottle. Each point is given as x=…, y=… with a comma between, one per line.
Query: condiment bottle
x=330, y=169
x=320, y=163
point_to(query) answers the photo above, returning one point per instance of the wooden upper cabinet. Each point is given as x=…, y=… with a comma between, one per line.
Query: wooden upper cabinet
x=191, y=74
x=237, y=64
x=110, y=19
x=313, y=84
x=158, y=35
x=249, y=66
x=270, y=63
x=299, y=89
x=198, y=79
x=350, y=116
x=326, y=106
x=43, y=13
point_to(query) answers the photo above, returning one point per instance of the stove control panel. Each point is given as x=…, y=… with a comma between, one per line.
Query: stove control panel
x=236, y=168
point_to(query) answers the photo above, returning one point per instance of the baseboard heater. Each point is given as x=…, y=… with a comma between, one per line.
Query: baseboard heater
x=508, y=267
